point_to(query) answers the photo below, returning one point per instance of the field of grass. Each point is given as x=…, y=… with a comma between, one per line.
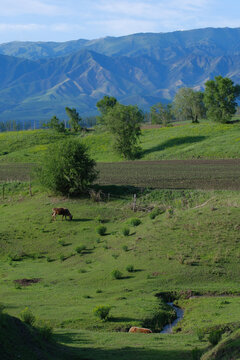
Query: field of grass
x=187, y=244
x=185, y=247
x=206, y=140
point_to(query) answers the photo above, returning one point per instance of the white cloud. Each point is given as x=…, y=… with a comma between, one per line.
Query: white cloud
x=27, y=7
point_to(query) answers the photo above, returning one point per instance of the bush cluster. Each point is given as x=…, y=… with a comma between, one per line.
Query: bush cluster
x=102, y=311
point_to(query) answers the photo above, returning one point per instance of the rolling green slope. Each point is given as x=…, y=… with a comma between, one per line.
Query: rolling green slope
x=206, y=140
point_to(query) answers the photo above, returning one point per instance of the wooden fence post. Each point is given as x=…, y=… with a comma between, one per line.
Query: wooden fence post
x=134, y=202
x=30, y=187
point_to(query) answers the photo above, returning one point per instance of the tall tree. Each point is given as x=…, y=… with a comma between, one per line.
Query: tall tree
x=220, y=98
x=74, y=119
x=161, y=113
x=105, y=104
x=188, y=105
x=55, y=124
x=124, y=123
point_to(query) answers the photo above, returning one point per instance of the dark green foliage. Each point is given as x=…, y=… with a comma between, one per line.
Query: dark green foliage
x=27, y=316
x=102, y=311
x=125, y=248
x=80, y=249
x=196, y=354
x=160, y=317
x=220, y=98
x=74, y=119
x=116, y=274
x=200, y=334
x=67, y=168
x=55, y=124
x=62, y=242
x=135, y=221
x=45, y=331
x=124, y=123
x=101, y=230
x=61, y=257
x=215, y=336
x=130, y=268
x=125, y=231
x=161, y=113
x=155, y=213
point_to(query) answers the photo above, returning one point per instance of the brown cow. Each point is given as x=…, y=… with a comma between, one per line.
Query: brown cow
x=135, y=329
x=61, y=211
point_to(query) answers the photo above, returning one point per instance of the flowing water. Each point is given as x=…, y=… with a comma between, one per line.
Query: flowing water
x=168, y=328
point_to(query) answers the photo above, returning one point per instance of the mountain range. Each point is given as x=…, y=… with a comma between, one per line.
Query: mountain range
x=39, y=79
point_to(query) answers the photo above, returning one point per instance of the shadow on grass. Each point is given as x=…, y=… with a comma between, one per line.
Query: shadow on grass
x=79, y=347
x=81, y=220
x=118, y=319
x=174, y=142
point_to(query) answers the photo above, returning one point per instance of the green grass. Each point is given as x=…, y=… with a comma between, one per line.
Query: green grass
x=185, y=141
x=192, y=244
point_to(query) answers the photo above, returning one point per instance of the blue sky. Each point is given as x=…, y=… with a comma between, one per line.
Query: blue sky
x=58, y=20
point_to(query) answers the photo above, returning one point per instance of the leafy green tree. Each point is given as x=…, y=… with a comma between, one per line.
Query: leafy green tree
x=105, y=104
x=124, y=123
x=188, y=105
x=67, y=168
x=74, y=119
x=220, y=98
x=161, y=113
x=55, y=124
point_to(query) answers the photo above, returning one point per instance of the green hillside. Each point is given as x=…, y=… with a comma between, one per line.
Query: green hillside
x=186, y=248
x=206, y=140
x=193, y=244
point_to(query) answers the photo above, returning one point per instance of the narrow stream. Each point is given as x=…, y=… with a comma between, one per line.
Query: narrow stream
x=168, y=328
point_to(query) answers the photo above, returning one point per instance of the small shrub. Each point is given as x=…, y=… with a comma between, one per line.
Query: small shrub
x=27, y=316
x=135, y=221
x=62, y=257
x=116, y=274
x=155, y=213
x=82, y=271
x=88, y=261
x=102, y=311
x=105, y=246
x=99, y=219
x=80, y=249
x=45, y=331
x=86, y=296
x=101, y=230
x=170, y=213
x=98, y=291
x=214, y=337
x=62, y=242
x=125, y=248
x=2, y=307
x=98, y=241
x=126, y=231
x=200, y=334
x=130, y=268
x=48, y=259
x=115, y=256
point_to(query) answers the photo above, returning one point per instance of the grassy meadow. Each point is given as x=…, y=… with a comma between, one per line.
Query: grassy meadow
x=187, y=244
x=206, y=140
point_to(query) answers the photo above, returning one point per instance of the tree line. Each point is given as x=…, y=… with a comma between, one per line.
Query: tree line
x=217, y=103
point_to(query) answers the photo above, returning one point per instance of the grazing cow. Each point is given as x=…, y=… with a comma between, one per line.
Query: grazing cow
x=61, y=211
x=135, y=329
